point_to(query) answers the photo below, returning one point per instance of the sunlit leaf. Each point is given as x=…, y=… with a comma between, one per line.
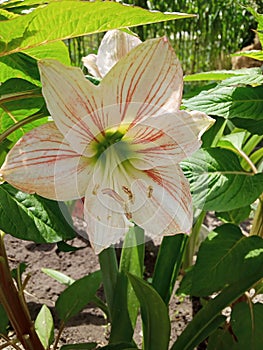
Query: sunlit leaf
x=224, y=74
x=58, y=276
x=230, y=102
x=255, y=54
x=32, y=217
x=218, y=182
x=61, y=20
x=44, y=326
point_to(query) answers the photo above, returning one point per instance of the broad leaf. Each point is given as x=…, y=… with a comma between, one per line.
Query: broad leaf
x=155, y=318
x=61, y=20
x=32, y=217
x=255, y=54
x=247, y=324
x=208, y=318
x=44, y=326
x=251, y=125
x=119, y=346
x=235, y=216
x=224, y=258
x=226, y=75
x=218, y=181
x=230, y=102
x=222, y=339
x=19, y=99
x=74, y=298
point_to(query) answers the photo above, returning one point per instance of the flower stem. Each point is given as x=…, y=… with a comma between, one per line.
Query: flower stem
x=15, y=308
x=109, y=270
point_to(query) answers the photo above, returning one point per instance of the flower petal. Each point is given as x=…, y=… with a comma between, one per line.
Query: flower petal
x=166, y=139
x=146, y=82
x=90, y=62
x=104, y=215
x=162, y=202
x=114, y=45
x=73, y=102
x=43, y=162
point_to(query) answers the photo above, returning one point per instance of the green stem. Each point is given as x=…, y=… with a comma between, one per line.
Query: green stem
x=109, y=270
x=21, y=123
x=15, y=308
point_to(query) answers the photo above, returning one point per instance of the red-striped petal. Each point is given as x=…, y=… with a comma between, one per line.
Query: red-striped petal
x=43, y=162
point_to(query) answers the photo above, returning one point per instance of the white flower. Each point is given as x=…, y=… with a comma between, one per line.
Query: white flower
x=117, y=144
x=114, y=45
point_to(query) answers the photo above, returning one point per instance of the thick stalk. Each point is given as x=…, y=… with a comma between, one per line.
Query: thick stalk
x=15, y=307
x=109, y=270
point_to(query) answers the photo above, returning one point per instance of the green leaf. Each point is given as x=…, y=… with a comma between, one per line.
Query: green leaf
x=58, y=276
x=119, y=346
x=44, y=326
x=222, y=339
x=251, y=125
x=19, y=66
x=224, y=258
x=167, y=265
x=57, y=51
x=155, y=318
x=232, y=141
x=208, y=319
x=132, y=261
x=218, y=182
x=247, y=323
x=255, y=54
x=32, y=217
x=82, y=346
x=235, y=216
x=4, y=321
x=230, y=102
x=74, y=298
x=224, y=74
x=18, y=100
x=61, y=20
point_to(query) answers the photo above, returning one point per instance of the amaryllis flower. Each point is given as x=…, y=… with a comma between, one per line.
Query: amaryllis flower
x=117, y=144
x=114, y=45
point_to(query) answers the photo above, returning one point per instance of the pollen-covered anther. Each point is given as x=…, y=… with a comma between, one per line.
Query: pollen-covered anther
x=127, y=213
x=129, y=193
x=149, y=191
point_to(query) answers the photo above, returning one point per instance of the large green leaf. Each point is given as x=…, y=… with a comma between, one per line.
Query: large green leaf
x=74, y=298
x=229, y=76
x=208, y=318
x=255, y=54
x=222, y=339
x=230, y=102
x=253, y=126
x=32, y=217
x=4, y=321
x=18, y=100
x=67, y=19
x=19, y=65
x=218, y=181
x=235, y=216
x=224, y=258
x=24, y=65
x=247, y=325
x=44, y=326
x=155, y=318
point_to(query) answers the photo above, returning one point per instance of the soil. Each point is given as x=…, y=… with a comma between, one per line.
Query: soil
x=90, y=325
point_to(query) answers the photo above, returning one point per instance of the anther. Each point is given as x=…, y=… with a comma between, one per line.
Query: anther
x=150, y=192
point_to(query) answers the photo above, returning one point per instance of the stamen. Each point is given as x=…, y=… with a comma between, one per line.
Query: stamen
x=129, y=193
x=150, y=192
x=95, y=189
